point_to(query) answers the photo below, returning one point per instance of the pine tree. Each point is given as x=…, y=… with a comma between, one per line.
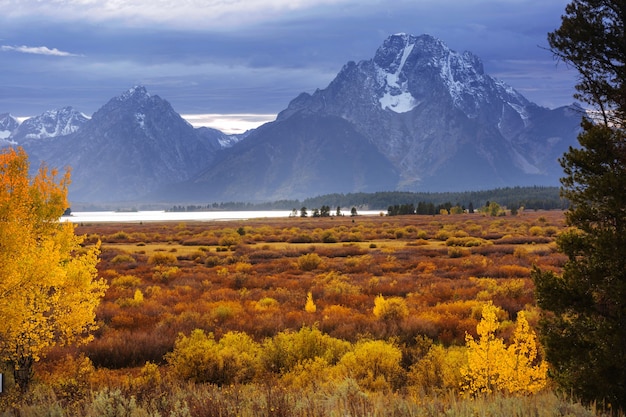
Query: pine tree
x=584, y=328
x=592, y=40
x=584, y=325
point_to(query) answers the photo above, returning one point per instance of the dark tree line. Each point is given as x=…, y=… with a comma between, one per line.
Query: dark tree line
x=423, y=208
x=532, y=198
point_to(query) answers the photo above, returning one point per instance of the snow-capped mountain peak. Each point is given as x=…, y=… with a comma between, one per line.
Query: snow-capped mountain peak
x=431, y=110
x=137, y=92
x=51, y=123
x=407, y=66
x=8, y=124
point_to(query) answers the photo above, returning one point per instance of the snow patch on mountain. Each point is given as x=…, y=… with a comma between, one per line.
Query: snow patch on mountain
x=8, y=124
x=141, y=119
x=228, y=141
x=455, y=73
x=138, y=91
x=396, y=96
x=521, y=110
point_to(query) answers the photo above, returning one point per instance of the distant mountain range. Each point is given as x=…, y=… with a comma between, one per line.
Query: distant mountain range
x=416, y=117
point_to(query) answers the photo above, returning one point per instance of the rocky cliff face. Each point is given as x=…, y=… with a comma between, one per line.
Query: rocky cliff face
x=303, y=156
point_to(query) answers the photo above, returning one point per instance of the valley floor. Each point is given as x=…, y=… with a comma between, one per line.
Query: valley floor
x=279, y=317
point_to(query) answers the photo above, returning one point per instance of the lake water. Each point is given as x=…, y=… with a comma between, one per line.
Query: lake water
x=162, y=216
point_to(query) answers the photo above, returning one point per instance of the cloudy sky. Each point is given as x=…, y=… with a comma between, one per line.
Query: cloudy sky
x=246, y=59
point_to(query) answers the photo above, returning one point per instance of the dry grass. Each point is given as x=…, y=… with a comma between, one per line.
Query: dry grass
x=254, y=277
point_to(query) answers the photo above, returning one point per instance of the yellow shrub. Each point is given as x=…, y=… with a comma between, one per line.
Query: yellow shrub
x=439, y=371
x=267, y=303
x=164, y=273
x=243, y=267
x=199, y=358
x=126, y=281
x=391, y=309
x=309, y=373
x=309, y=262
x=230, y=239
x=374, y=364
x=288, y=349
x=159, y=258
x=123, y=258
x=336, y=284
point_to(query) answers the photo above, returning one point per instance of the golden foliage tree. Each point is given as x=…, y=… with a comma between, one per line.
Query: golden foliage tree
x=310, y=306
x=48, y=286
x=524, y=372
x=494, y=367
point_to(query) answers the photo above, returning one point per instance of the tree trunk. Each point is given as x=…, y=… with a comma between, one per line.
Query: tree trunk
x=23, y=372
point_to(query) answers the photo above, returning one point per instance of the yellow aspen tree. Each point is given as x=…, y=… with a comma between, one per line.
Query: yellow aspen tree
x=48, y=283
x=310, y=306
x=493, y=367
x=481, y=374
x=523, y=372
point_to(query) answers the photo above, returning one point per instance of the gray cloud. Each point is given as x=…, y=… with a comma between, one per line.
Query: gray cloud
x=252, y=56
x=190, y=14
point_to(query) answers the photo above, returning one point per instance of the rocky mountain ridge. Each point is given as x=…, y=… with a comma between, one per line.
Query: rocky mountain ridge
x=132, y=145
x=431, y=113
x=417, y=117
x=50, y=124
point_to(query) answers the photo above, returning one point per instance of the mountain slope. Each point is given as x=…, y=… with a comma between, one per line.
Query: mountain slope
x=132, y=145
x=418, y=109
x=288, y=160
x=417, y=116
x=424, y=105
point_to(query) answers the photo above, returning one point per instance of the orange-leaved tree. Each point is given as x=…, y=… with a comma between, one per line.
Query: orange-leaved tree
x=48, y=283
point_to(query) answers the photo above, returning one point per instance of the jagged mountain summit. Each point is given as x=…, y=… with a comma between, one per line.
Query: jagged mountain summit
x=8, y=124
x=132, y=145
x=420, y=117
x=49, y=124
x=435, y=113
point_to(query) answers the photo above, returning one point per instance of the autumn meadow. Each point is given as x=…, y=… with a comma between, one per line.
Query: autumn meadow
x=328, y=316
